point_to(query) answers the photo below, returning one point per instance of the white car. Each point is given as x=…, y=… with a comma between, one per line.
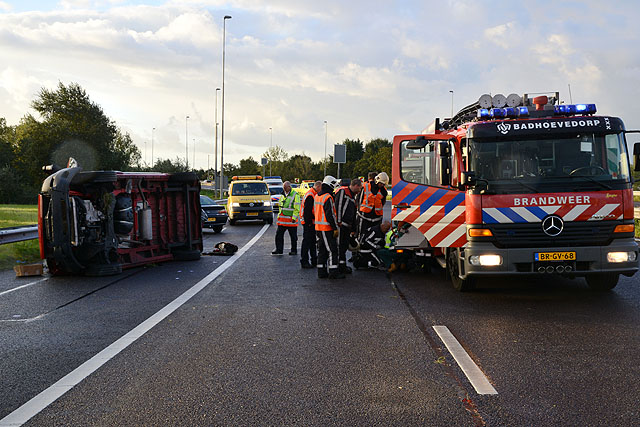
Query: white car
x=277, y=192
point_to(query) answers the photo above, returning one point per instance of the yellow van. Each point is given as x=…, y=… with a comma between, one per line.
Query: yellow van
x=249, y=199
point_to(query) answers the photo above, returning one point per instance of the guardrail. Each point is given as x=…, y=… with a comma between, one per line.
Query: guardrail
x=18, y=234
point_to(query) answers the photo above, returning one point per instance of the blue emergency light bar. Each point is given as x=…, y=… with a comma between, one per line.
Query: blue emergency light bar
x=523, y=112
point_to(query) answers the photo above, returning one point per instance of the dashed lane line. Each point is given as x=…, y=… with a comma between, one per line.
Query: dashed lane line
x=22, y=286
x=34, y=406
x=476, y=377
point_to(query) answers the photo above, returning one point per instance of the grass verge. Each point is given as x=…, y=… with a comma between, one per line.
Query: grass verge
x=17, y=215
x=27, y=252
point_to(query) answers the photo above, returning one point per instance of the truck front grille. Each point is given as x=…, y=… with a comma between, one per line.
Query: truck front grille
x=590, y=233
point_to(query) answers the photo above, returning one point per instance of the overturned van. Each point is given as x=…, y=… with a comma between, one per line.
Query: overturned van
x=99, y=222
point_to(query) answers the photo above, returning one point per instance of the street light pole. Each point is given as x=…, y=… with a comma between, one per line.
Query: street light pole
x=145, y=153
x=215, y=147
x=194, y=154
x=451, y=103
x=325, y=148
x=152, y=131
x=186, y=141
x=224, y=38
x=270, y=146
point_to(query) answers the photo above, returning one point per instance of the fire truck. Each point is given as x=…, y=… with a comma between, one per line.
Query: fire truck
x=519, y=185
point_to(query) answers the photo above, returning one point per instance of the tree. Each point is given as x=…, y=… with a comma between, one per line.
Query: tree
x=71, y=125
x=6, y=143
x=167, y=166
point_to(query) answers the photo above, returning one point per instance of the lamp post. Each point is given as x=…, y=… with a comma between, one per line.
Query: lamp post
x=224, y=37
x=186, y=141
x=152, y=131
x=270, y=146
x=145, y=152
x=215, y=147
x=194, y=154
x=451, y=103
x=325, y=148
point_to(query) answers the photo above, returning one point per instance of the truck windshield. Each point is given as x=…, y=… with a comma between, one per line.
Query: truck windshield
x=581, y=160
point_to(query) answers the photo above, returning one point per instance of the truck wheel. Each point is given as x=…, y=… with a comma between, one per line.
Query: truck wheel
x=602, y=281
x=268, y=220
x=461, y=285
x=232, y=222
x=186, y=254
x=183, y=177
x=103, y=269
x=95, y=176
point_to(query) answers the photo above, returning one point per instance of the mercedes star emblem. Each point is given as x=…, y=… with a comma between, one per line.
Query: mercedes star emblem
x=250, y=204
x=552, y=225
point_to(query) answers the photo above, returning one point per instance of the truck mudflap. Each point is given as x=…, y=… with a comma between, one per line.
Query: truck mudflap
x=568, y=261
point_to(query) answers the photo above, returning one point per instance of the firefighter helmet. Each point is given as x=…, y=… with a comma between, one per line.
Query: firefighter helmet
x=331, y=181
x=382, y=177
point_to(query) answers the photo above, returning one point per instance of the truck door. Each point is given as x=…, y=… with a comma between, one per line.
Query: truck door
x=422, y=191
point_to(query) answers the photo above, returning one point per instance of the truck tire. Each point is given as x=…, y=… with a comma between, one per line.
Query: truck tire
x=461, y=285
x=232, y=221
x=602, y=281
x=95, y=176
x=268, y=220
x=183, y=177
x=186, y=254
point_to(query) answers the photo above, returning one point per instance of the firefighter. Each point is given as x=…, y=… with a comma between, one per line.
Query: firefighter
x=346, y=215
x=372, y=241
x=309, y=255
x=324, y=212
x=372, y=200
x=289, y=211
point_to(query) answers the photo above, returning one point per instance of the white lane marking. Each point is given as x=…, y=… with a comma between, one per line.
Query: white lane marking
x=31, y=408
x=23, y=286
x=477, y=378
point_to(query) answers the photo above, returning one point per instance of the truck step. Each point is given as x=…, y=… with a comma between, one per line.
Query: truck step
x=442, y=261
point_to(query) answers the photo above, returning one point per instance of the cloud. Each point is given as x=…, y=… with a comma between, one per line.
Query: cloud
x=5, y=7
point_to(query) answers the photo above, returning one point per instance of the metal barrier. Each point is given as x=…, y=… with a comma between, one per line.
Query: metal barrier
x=18, y=234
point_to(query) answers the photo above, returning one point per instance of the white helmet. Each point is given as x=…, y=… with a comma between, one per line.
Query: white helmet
x=331, y=181
x=383, y=178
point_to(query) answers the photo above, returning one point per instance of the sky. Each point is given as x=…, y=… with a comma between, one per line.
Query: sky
x=369, y=68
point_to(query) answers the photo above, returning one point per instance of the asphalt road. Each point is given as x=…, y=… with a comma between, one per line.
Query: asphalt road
x=268, y=343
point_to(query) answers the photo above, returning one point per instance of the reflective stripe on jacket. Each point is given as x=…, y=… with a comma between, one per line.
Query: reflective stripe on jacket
x=311, y=193
x=320, y=204
x=289, y=210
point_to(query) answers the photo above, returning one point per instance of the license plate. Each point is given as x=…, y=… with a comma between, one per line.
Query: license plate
x=252, y=213
x=211, y=219
x=555, y=256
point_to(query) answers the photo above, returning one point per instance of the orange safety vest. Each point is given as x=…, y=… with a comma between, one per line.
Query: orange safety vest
x=370, y=201
x=319, y=214
x=311, y=193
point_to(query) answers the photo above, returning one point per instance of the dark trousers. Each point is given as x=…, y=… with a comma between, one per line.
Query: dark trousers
x=293, y=234
x=309, y=253
x=327, y=250
x=364, y=221
x=343, y=244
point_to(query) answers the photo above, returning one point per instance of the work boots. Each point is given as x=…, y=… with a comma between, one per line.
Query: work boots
x=344, y=268
x=322, y=272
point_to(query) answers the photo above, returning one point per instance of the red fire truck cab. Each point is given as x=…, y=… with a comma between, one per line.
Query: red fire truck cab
x=519, y=186
x=99, y=222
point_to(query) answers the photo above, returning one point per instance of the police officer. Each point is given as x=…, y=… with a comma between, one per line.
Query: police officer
x=346, y=215
x=309, y=254
x=324, y=210
x=288, y=220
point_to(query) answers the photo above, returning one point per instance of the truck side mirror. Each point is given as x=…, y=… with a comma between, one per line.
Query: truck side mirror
x=445, y=163
x=467, y=179
x=636, y=156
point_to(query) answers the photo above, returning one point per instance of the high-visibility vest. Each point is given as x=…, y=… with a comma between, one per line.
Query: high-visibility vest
x=311, y=193
x=289, y=210
x=321, y=223
x=370, y=201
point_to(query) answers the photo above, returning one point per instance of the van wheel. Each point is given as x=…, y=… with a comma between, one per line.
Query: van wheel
x=602, y=281
x=459, y=284
x=186, y=254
